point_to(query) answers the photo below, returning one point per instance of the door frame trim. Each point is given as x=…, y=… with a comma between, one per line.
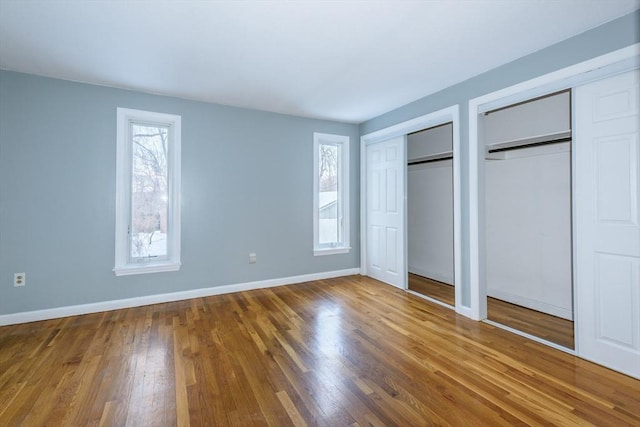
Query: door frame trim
x=445, y=115
x=612, y=63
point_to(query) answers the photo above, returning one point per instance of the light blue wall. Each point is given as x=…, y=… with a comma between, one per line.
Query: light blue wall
x=246, y=187
x=614, y=35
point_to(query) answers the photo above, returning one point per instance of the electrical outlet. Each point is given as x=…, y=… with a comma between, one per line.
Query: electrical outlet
x=252, y=258
x=19, y=279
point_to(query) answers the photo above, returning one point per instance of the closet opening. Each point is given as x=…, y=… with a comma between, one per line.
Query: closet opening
x=430, y=214
x=528, y=230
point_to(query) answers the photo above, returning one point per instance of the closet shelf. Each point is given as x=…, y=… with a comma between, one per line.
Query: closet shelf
x=549, y=138
x=445, y=155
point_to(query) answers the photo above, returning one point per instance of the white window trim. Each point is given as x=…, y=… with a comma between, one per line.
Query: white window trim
x=343, y=178
x=123, y=266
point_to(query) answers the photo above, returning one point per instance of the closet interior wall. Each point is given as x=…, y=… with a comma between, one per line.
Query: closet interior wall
x=528, y=204
x=430, y=203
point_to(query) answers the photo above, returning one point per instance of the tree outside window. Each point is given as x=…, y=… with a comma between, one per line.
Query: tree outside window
x=149, y=201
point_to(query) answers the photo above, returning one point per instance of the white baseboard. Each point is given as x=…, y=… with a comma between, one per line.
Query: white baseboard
x=430, y=275
x=537, y=305
x=74, y=310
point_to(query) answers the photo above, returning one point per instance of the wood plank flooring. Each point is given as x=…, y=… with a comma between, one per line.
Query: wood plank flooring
x=341, y=352
x=541, y=325
x=432, y=288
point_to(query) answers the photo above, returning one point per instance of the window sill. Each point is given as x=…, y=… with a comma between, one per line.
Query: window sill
x=130, y=269
x=331, y=251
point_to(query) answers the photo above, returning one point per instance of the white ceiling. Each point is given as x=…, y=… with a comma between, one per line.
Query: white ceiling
x=341, y=60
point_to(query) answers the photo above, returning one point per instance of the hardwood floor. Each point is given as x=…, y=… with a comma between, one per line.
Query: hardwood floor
x=340, y=352
x=542, y=325
x=432, y=288
x=550, y=328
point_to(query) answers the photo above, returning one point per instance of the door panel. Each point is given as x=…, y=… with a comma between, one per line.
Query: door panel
x=385, y=211
x=607, y=222
x=375, y=244
x=615, y=169
x=373, y=196
x=392, y=191
x=392, y=250
x=615, y=277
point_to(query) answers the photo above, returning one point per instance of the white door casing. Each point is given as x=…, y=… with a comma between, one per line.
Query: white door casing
x=386, y=211
x=607, y=215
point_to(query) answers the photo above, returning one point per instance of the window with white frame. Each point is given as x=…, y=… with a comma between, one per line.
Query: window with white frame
x=330, y=194
x=147, y=192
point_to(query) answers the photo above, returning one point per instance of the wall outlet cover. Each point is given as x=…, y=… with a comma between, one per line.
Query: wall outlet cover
x=19, y=279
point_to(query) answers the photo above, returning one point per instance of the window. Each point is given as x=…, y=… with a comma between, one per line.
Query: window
x=330, y=194
x=147, y=192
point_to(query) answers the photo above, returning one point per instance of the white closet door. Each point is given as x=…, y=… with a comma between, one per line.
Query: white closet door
x=385, y=211
x=607, y=222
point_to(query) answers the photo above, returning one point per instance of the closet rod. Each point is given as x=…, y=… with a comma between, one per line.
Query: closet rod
x=420, y=162
x=532, y=144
